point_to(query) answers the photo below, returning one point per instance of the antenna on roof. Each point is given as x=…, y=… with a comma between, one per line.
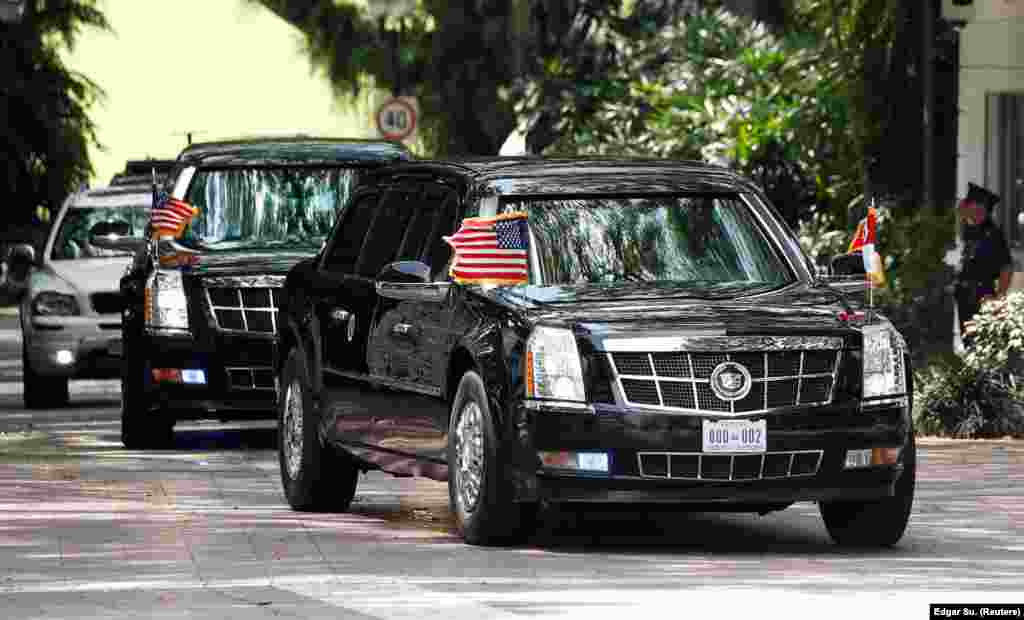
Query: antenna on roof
x=188, y=135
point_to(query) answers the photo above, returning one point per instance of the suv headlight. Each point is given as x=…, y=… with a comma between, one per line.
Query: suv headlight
x=49, y=303
x=553, y=368
x=165, y=305
x=884, y=374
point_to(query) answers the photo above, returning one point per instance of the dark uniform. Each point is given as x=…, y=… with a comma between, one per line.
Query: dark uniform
x=985, y=255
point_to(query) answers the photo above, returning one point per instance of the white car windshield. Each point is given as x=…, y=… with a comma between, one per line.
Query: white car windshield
x=72, y=240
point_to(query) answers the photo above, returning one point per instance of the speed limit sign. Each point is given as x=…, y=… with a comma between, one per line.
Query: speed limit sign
x=396, y=119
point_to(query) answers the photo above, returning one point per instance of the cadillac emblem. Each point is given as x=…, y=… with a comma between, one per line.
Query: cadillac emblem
x=730, y=381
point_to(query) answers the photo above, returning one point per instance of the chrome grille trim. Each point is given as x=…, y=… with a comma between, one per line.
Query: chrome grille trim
x=791, y=454
x=727, y=409
x=239, y=284
x=717, y=343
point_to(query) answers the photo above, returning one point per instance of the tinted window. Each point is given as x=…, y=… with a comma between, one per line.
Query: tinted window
x=438, y=253
x=266, y=207
x=348, y=239
x=386, y=231
x=433, y=215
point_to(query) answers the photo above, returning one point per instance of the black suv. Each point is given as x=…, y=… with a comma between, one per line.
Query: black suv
x=201, y=297
x=606, y=331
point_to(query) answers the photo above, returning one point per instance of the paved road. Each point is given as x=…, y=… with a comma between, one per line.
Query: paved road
x=91, y=530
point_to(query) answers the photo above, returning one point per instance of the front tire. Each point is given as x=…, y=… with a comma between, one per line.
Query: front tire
x=875, y=524
x=141, y=427
x=479, y=496
x=314, y=476
x=40, y=391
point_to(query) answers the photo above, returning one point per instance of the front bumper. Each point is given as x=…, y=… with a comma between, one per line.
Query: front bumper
x=237, y=368
x=708, y=481
x=93, y=343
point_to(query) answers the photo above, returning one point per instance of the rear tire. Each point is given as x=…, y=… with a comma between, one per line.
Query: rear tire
x=479, y=496
x=314, y=476
x=875, y=524
x=40, y=391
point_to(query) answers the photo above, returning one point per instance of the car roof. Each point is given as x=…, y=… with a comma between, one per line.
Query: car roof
x=291, y=150
x=120, y=196
x=534, y=175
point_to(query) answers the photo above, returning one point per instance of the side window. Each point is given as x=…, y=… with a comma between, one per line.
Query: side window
x=438, y=253
x=386, y=231
x=422, y=223
x=349, y=236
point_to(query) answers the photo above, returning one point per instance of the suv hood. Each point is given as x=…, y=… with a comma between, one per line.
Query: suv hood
x=86, y=275
x=249, y=262
x=640, y=309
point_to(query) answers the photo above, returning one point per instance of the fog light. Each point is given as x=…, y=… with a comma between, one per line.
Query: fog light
x=580, y=461
x=64, y=357
x=858, y=458
x=195, y=376
x=166, y=375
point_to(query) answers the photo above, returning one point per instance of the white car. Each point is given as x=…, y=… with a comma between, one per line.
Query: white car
x=71, y=305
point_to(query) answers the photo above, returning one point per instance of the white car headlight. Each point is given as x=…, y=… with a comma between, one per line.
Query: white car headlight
x=165, y=306
x=553, y=368
x=884, y=374
x=51, y=303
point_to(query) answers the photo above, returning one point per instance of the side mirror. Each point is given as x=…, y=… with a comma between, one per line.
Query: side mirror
x=23, y=256
x=115, y=236
x=846, y=272
x=410, y=281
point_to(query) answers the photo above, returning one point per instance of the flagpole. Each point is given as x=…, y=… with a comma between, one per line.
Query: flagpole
x=867, y=274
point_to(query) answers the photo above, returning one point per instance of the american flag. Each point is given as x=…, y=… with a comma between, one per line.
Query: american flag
x=491, y=250
x=170, y=216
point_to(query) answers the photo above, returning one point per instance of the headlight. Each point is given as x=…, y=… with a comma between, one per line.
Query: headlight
x=884, y=374
x=49, y=303
x=165, y=305
x=553, y=367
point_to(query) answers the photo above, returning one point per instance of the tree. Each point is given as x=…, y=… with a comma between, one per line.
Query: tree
x=45, y=139
x=465, y=60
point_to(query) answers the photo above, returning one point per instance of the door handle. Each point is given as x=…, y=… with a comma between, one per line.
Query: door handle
x=339, y=316
x=404, y=330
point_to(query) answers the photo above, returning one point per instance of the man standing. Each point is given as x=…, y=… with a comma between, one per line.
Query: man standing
x=986, y=264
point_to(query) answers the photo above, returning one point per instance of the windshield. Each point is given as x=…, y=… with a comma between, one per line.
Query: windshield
x=690, y=241
x=72, y=240
x=291, y=208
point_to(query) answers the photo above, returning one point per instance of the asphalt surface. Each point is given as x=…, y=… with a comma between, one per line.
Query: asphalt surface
x=91, y=530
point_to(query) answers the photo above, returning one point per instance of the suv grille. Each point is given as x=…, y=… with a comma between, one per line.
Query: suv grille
x=735, y=467
x=682, y=380
x=245, y=304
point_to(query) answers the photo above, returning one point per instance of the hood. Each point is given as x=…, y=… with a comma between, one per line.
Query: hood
x=87, y=275
x=249, y=262
x=649, y=309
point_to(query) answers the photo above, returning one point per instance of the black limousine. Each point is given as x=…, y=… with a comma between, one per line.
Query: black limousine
x=629, y=331
x=200, y=301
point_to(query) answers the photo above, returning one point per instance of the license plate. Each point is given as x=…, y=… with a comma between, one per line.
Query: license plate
x=735, y=436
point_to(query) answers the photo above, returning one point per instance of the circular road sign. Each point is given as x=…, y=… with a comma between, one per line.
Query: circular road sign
x=396, y=119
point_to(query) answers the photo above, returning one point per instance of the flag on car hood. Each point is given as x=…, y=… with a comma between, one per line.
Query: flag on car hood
x=491, y=250
x=170, y=217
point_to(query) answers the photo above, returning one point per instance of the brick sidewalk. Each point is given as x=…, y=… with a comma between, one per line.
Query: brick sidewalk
x=939, y=451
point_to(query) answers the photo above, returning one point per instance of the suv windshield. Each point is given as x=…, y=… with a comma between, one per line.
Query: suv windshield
x=266, y=207
x=700, y=241
x=72, y=240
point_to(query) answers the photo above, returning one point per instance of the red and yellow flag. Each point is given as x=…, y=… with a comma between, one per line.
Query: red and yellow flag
x=864, y=240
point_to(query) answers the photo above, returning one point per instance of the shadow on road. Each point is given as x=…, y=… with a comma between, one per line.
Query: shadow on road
x=214, y=439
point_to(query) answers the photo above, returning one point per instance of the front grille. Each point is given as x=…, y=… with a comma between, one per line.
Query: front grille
x=728, y=467
x=245, y=305
x=251, y=378
x=107, y=303
x=682, y=380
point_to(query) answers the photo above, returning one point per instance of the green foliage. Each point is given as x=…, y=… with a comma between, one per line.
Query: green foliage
x=954, y=398
x=46, y=133
x=997, y=333
x=913, y=246
x=718, y=88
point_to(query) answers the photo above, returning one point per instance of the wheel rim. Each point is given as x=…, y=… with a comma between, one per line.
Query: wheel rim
x=469, y=456
x=291, y=445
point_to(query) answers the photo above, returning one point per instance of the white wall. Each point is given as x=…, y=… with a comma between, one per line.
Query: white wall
x=991, y=60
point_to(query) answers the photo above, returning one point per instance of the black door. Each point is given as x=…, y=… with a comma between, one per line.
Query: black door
x=410, y=339
x=343, y=307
